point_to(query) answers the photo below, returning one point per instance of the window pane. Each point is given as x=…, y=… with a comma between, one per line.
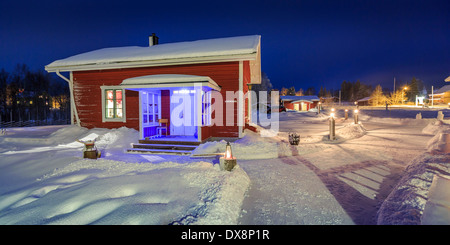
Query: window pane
x=118, y=94
x=110, y=104
x=109, y=94
x=110, y=113
x=119, y=104
x=119, y=113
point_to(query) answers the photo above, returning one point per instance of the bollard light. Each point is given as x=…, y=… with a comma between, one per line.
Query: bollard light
x=227, y=162
x=355, y=116
x=332, y=135
x=346, y=114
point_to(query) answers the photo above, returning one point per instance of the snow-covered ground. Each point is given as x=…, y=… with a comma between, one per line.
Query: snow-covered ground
x=373, y=170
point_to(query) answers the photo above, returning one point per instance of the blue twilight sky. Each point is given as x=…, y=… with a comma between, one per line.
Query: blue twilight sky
x=304, y=43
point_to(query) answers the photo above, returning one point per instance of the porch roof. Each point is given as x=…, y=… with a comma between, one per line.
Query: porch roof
x=169, y=81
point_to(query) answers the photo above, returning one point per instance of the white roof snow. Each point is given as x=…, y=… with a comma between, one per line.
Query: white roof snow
x=295, y=98
x=231, y=48
x=169, y=81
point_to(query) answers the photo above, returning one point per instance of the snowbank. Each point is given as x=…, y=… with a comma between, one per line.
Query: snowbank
x=351, y=131
x=406, y=203
x=68, y=189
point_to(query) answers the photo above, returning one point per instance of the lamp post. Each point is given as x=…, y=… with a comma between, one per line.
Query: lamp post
x=355, y=116
x=227, y=162
x=346, y=114
x=404, y=94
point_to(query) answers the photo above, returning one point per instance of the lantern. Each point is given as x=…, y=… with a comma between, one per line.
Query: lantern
x=90, y=151
x=227, y=162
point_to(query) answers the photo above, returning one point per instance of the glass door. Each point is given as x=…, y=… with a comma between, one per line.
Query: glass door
x=151, y=107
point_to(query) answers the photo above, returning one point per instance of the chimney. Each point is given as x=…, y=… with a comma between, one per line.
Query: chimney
x=153, y=40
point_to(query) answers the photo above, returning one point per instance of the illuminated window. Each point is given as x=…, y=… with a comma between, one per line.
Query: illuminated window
x=150, y=108
x=113, y=103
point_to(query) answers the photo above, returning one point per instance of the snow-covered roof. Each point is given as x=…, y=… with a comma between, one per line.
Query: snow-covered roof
x=447, y=79
x=364, y=99
x=442, y=90
x=231, y=48
x=299, y=98
x=169, y=80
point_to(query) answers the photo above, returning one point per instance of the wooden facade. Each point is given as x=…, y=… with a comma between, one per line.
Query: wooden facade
x=87, y=93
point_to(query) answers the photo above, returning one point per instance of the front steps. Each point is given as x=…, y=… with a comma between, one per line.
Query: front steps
x=172, y=147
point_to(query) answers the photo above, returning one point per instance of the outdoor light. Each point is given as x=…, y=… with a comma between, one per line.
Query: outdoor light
x=346, y=114
x=228, y=152
x=227, y=162
x=355, y=116
x=90, y=151
x=332, y=135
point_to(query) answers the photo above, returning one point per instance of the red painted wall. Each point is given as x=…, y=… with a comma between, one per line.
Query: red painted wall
x=87, y=92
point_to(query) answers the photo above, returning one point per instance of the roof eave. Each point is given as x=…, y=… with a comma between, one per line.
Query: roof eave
x=149, y=63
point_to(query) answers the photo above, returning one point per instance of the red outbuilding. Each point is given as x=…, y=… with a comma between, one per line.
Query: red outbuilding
x=299, y=103
x=135, y=87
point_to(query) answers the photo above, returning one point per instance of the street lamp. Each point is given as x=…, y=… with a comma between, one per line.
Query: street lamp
x=403, y=94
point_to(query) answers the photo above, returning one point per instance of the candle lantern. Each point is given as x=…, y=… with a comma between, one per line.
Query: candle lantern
x=227, y=162
x=90, y=150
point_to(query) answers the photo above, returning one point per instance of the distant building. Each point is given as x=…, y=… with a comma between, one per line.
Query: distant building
x=364, y=101
x=442, y=95
x=299, y=103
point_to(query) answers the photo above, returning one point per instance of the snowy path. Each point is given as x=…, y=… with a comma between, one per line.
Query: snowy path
x=331, y=183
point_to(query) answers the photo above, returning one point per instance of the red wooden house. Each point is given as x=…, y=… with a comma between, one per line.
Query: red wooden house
x=299, y=103
x=136, y=86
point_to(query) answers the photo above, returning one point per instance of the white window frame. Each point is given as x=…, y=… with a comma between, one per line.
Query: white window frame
x=206, y=108
x=147, y=93
x=104, y=119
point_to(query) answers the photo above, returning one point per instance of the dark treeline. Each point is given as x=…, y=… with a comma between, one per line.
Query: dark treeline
x=27, y=95
x=353, y=91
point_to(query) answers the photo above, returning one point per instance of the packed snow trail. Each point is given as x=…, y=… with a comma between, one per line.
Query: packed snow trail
x=285, y=192
x=332, y=183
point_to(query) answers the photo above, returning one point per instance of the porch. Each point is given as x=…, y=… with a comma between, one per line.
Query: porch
x=182, y=101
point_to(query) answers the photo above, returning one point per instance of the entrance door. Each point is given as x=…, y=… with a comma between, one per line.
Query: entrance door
x=182, y=104
x=296, y=107
x=304, y=106
x=150, y=111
